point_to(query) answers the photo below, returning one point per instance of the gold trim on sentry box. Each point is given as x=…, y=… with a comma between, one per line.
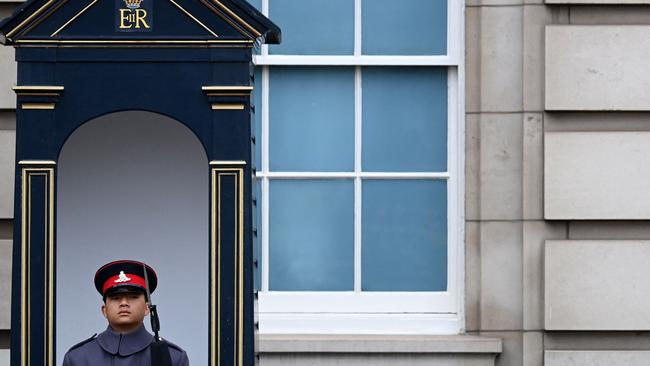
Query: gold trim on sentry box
x=73, y=18
x=135, y=41
x=26, y=247
x=48, y=12
x=215, y=330
x=20, y=89
x=220, y=169
x=242, y=21
x=29, y=19
x=227, y=107
x=194, y=19
x=225, y=17
x=37, y=162
x=218, y=88
x=228, y=162
x=38, y=106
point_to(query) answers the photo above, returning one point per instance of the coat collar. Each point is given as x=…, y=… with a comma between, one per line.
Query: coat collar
x=124, y=344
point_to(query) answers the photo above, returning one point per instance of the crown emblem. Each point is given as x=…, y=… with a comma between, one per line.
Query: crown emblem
x=122, y=278
x=133, y=4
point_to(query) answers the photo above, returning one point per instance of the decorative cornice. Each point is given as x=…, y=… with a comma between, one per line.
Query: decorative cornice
x=38, y=97
x=227, y=90
x=227, y=163
x=37, y=162
x=38, y=90
x=228, y=97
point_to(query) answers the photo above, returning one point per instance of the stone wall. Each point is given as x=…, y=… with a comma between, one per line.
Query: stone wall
x=7, y=157
x=556, y=179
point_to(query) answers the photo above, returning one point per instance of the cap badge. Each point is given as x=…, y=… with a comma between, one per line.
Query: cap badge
x=122, y=278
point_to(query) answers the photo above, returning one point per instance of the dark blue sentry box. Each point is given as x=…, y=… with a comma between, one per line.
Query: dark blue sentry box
x=190, y=60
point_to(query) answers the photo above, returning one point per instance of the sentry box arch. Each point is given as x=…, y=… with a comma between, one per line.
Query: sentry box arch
x=189, y=60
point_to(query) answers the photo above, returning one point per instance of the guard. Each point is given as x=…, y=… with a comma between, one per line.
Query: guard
x=126, y=289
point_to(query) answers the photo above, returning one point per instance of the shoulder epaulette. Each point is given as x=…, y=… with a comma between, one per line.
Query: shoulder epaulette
x=83, y=342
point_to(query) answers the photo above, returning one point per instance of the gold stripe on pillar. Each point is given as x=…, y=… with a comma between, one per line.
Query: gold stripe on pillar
x=218, y=171
x=29, y=170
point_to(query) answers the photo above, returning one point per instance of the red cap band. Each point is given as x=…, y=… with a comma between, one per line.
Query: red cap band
x=124, y=279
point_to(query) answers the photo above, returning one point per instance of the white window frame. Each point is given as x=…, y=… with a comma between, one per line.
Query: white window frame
x=357, y=312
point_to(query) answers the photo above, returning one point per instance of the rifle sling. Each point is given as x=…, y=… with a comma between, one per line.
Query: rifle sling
x=160, y=354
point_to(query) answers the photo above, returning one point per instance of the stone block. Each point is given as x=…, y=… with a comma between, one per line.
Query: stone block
x=596, y=358
x=614, y=2
x=597, y=285
x=7, y=78
x=7, y=169
x=378, y=350
x=611, y=15
x=493, y=2
x=609, y=230
x=7, y=120
x=597, y=68
x=7, y=64
x=595, y=121
x=535, y=233
x=586, y=183
x=513, y=347
x=472, y=167
x=533, y=349
x=501, y=276
x=472, y=276
x=379, y=343
x=4, y=357
x=360, y=359
x=5, y=284
x=501, y=166
x=535, y=19
x=595, y=341
x=501, y=59
x=533, y=167
x=472, y=59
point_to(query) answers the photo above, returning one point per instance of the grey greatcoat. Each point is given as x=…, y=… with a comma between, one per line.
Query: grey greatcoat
x=114, y=349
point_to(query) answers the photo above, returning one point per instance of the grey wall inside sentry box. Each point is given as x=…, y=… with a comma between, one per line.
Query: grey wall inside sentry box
x=133, y=185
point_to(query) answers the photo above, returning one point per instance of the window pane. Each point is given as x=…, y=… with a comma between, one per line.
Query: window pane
x=311, y=27
x=406, y=27
x=404, y=119
x=257, y=102
x=404, y=231
x=311, y=119
x=311, y=235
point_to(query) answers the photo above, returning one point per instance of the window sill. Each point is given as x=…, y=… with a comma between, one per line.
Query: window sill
x=297, y=343
x=360, y=323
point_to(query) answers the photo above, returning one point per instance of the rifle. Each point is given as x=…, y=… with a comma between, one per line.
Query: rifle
x=159, y=348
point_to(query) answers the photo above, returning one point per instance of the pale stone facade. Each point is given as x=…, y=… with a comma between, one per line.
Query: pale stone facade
x=555, y=163
x=556, y=211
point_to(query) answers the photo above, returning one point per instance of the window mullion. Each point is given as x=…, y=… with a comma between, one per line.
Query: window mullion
x=357, y=28
x=357, y=179
x=357, y=148
x=265, y=179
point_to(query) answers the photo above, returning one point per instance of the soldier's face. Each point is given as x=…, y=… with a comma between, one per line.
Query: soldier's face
x=125, y=311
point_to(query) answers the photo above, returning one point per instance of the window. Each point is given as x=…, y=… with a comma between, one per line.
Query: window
x=359, y=167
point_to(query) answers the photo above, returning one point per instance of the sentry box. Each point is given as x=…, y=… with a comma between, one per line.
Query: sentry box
x=103, y=86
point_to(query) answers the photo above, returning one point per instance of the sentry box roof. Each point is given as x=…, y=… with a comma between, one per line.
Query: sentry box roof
x=123, y=22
